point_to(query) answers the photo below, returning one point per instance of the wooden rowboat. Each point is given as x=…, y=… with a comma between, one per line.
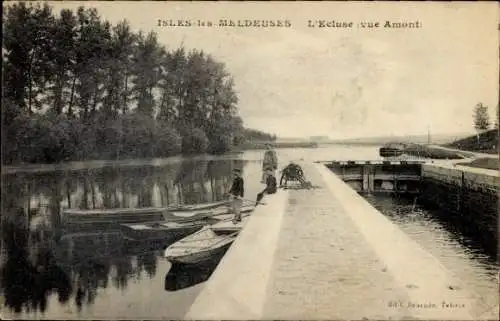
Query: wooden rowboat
x=220, y=220
x=117, y=215
x=147, y=214
x=163, y=230
x=200, y=246
x=204, y=213
x=226, y=225
x=196, y=207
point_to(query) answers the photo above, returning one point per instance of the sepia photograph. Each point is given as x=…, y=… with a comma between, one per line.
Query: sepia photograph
x=246, y=160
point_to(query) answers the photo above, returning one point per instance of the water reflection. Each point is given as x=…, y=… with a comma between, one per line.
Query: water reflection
x=30, y=272
x=181, y=276
x=40, y=256
x=458, y=249
x=412, y=216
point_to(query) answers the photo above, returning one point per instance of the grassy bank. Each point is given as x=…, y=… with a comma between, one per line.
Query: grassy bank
x=485, y=163
x=431, y=152
x=486, y=142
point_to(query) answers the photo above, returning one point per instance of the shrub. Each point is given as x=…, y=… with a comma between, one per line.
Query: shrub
x=194, y=140
x=167, y=141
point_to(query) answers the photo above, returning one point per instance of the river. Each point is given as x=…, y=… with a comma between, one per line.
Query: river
x=117, y=281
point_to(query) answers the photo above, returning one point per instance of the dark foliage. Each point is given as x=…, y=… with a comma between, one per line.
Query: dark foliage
x=485, y=142
x=77, y=87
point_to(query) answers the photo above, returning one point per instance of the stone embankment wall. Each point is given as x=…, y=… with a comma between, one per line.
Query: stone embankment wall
x=470, y=195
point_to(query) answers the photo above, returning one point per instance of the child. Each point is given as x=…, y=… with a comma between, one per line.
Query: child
x=237, y=191
x=271, y=186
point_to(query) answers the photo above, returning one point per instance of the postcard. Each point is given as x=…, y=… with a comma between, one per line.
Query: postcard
x=245, y=160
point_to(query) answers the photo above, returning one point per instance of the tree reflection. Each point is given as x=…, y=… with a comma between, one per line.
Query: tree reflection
x=84, y=198
x=28, y=282
x=147, y=262
x=35, y=267
x=191, y=179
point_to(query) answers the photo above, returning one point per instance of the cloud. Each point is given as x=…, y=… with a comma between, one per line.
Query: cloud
x=302, y=81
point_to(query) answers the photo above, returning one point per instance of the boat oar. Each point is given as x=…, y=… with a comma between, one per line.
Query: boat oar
x=250, y=201
x=247, y=200
x=253, y=201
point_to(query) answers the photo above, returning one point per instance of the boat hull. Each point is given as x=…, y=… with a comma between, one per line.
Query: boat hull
x=151, y=234
x=113, y=216
x=195, y=207
x=199, y=247
x=390, y=152
x=227, y=225
x=199, y=257
x=199, y=214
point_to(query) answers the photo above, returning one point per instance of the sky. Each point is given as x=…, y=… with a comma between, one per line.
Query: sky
x=341, y=82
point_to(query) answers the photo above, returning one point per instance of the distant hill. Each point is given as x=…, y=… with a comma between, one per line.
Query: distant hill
x=319, y=138
x=257, y=135
x=486, y=142
x=291, y=139
x=415, y=139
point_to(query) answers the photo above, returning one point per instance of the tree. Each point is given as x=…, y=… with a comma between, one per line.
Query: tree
x=481, y=117
x=77, y=87
x=147, y=60
x=26, y=36
x=62, y=58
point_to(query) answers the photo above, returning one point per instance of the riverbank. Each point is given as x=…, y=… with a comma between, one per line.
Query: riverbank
x=486, y=142
x=427, y=151
x=471, y=159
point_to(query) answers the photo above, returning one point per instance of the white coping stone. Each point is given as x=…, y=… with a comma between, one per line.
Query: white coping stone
x=419, y=272
x=237, y=288
x=453, y=173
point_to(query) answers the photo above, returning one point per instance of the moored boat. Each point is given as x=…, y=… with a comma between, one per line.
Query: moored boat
x=147, y=214
x=163, y=230
x=200, y=246
x=196, y=207
x=172, y=229
x=226, y=225
x=116, y=215
x=392, y=149
x=204, y=213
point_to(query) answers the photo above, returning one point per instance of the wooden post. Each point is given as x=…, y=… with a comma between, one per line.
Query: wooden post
x=371, y=179
x=367, y=175
x=364, y=178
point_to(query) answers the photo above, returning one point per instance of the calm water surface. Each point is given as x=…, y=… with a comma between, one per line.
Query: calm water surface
x=456, y=247
x=111, y=279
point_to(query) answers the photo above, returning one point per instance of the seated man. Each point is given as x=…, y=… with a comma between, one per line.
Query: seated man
x=271, y=186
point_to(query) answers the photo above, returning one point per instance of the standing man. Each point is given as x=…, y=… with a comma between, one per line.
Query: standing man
x=237, y=192
x=270, y=162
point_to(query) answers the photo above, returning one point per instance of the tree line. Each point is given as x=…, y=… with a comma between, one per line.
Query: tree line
x=77, y=87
